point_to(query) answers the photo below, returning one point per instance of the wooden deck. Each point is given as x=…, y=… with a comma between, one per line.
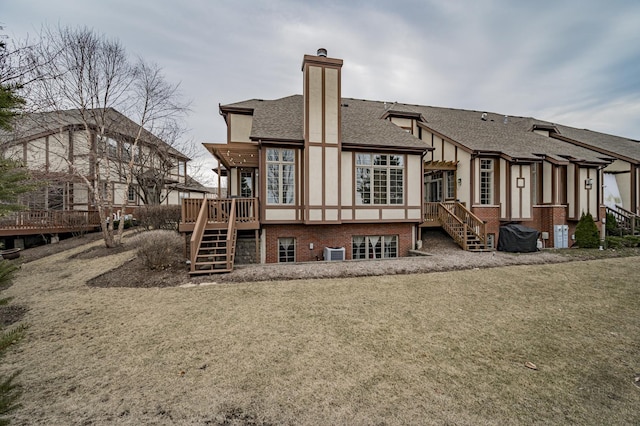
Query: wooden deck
x=246, y=213
x=33, y=222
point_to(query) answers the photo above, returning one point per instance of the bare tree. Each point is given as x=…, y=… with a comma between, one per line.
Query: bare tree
x=88, y=76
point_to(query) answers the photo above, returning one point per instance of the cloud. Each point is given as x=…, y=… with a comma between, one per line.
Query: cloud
x=574, y=62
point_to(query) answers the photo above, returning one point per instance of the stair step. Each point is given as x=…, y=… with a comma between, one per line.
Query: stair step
x=219, y=262
x=209, y=271
x=211, y=256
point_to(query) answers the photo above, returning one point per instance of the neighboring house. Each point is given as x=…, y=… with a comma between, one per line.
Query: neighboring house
x=56, y=147
x=314, y=174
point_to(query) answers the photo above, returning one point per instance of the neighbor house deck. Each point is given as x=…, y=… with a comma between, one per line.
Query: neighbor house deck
x=34, y=222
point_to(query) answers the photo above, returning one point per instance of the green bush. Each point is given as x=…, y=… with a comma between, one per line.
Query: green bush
x=159, y=217
x=587, y=235
x=159, y=249
x=614, y=242
x=612, y=225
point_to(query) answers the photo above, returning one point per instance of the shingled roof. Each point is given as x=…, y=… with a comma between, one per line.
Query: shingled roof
x=35, y=125
x=363, y=124
x=282, y=119
x=509, y=136
x=602, y=142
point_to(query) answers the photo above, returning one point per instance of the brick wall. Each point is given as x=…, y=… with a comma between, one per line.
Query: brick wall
x=491, y=216
x=331, y=236
x=544, y=219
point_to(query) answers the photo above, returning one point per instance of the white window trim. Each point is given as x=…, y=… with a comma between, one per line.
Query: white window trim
x=286, y=255
x=371, y=168
x=280, y=163
x=490, y=174
x=370, y=241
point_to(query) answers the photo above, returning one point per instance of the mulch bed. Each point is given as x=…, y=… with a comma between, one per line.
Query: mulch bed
x=139, y=276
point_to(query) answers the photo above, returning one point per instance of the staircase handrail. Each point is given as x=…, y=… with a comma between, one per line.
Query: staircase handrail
x=475, y=225
x=230, y=233
x=448, y=219
x=198, y=232
x=625, y=211
x=625, y=219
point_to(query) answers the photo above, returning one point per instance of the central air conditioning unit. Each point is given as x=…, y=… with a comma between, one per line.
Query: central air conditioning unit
x=333, y=253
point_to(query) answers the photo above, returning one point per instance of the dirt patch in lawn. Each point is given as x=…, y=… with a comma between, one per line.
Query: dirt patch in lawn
x=11, y=314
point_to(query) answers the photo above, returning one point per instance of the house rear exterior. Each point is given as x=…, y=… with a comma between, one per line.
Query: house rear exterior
x=317, y=175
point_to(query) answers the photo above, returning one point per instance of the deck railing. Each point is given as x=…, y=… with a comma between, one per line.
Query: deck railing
x=218, y=210
x=50, y=220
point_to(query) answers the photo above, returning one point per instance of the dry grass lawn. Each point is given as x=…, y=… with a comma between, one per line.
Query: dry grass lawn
x=440, y=348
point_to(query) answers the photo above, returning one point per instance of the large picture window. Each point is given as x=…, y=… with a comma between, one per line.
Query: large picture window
x=280, y=176
x=486, y=181
x=374, y=247
x=379, y=179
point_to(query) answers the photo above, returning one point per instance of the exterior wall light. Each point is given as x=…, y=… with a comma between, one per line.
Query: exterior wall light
x=588, y=183
x=520, y=182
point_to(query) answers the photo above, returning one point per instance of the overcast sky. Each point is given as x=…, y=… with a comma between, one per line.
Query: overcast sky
x=572, y=62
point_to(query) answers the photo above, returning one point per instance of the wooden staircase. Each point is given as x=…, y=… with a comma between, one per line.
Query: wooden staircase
x=628, y=222
x=466, y=229
x=213, y=242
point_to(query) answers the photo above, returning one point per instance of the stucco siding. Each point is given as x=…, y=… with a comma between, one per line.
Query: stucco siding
x=464, y=175
x=280, y=214
x=331, y=105
x=346, y=181
x=547, y=182
x=240, y=127
x=315, y=104
x=332, y=187
x=414, y=180
x=315, y=176
x=393, y=214
x=571, y=193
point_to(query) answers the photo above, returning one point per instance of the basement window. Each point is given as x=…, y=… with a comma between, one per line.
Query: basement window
x=286, y=250
x=374, y=247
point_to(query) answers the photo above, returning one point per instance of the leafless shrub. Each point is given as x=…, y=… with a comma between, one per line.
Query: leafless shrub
x=159, y=217
x=159, y=249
